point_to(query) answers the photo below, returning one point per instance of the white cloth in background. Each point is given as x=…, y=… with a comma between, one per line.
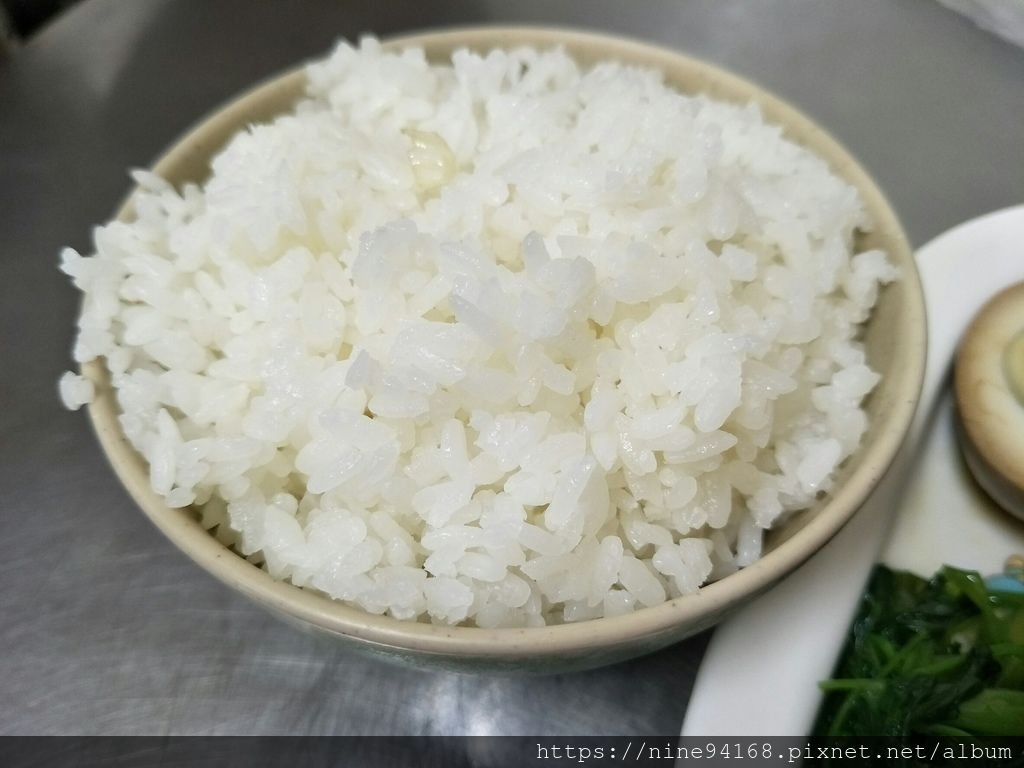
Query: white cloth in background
x=1001, y=17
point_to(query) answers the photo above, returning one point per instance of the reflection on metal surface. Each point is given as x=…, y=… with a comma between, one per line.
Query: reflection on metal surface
x=106, y=628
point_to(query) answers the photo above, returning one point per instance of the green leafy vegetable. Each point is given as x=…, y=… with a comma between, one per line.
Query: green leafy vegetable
x=993, y=712
x=942, y=657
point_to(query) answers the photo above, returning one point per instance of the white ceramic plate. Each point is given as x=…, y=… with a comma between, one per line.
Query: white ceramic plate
x=760, y=673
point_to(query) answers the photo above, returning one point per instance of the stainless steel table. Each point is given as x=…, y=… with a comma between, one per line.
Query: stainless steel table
x=104, y=627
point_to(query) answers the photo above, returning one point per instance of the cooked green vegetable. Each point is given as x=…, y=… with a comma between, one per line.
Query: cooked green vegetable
x=941, y=657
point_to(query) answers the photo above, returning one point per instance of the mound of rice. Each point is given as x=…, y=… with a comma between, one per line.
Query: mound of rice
x=501, y=342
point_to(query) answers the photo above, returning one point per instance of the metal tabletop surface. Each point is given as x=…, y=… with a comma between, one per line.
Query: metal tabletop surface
x=105, y=628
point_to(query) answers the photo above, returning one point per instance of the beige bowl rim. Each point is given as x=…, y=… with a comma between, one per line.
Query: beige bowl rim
x=873, y=459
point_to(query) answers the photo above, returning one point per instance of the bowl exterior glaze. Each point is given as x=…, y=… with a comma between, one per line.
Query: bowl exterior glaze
x=895, y=339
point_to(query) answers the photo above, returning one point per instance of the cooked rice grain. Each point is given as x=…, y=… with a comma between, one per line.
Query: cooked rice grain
x=501, y=342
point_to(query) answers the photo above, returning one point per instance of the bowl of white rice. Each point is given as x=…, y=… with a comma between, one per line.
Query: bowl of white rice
x=504, y=348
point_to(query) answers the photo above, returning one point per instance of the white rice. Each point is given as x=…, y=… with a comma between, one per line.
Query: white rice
x=501, y=342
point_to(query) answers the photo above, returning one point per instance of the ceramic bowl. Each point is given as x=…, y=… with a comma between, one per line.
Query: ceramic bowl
x=988, y=384
x=894, y=339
